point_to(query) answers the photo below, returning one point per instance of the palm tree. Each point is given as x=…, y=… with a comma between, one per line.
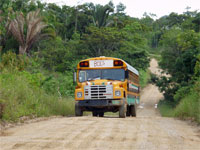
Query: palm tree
x=34, y=25
x=101, y=14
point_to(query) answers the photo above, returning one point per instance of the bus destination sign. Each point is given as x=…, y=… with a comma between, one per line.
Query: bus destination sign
x=101, y=63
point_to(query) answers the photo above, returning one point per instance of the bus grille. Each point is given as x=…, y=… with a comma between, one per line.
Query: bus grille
x=98, y=92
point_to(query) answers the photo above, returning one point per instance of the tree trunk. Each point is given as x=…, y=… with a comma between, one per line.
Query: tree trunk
x=22, y=49
x=99, y=51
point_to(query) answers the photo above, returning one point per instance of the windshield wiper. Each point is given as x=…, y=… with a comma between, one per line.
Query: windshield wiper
x=90, y=79
x=111, y=79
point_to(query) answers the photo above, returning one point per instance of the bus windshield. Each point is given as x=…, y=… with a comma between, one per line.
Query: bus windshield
x=109, y=74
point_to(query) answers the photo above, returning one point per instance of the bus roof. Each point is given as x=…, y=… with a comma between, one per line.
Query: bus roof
x=129, y=67
x=132, y=69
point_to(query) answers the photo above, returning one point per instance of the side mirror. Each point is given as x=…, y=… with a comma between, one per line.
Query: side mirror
x=74, y=77
x=126, y=74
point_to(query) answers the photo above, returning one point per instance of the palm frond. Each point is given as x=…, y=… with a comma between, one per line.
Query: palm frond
x=34, y=26
x=16, y=27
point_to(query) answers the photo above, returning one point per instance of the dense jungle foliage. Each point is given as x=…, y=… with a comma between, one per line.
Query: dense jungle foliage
x=41, y=44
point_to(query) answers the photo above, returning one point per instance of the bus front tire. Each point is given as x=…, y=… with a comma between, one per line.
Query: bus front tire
x=94, y=114
x=128, y=112
x=101, y=114
x=78, y=110
x=122, y=111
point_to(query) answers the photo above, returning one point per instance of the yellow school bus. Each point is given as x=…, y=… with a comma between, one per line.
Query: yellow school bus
x=106, y=84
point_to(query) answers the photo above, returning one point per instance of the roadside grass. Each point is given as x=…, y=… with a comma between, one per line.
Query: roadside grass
x=144, y=78
x=166, y=108
x=20, y=98
x=189, y=107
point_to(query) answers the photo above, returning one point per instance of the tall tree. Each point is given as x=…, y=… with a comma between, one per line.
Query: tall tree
x=101, y=14
x=102, y=41
x=34, y=25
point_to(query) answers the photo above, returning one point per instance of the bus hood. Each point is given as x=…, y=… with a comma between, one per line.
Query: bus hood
x=102, y=82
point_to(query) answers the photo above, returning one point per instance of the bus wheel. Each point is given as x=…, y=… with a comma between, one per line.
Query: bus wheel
x=101, y=114
x=94, y=114
x=122, y=111
x=133, y=111
x=78, y=110
x=128, y=112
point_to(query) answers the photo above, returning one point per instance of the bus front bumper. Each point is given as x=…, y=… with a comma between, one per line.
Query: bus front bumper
x=100, y=102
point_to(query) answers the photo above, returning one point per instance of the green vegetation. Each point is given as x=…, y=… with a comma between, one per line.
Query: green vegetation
x=166, y=108
x=22, y=98
x=180, y=55
x=41, y=44
x=28, y=94
x=144, y=78
x=188, y=108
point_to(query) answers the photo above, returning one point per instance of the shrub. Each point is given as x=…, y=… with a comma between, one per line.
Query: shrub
x=181, y=93
x=144, y=78
x=22, y=98
x=13, y=62
x=60, y=84
x=189, y=106
x=166, y=108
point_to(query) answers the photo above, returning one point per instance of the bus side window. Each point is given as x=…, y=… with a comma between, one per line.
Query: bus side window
x=126, y=74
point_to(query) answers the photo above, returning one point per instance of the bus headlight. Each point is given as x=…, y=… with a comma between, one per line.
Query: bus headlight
x=117, y=93
x=79, y=94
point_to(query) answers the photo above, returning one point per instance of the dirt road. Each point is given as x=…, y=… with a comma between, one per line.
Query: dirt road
x=148, y=131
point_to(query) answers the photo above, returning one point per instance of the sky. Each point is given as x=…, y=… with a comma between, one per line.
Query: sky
x=136, y=8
